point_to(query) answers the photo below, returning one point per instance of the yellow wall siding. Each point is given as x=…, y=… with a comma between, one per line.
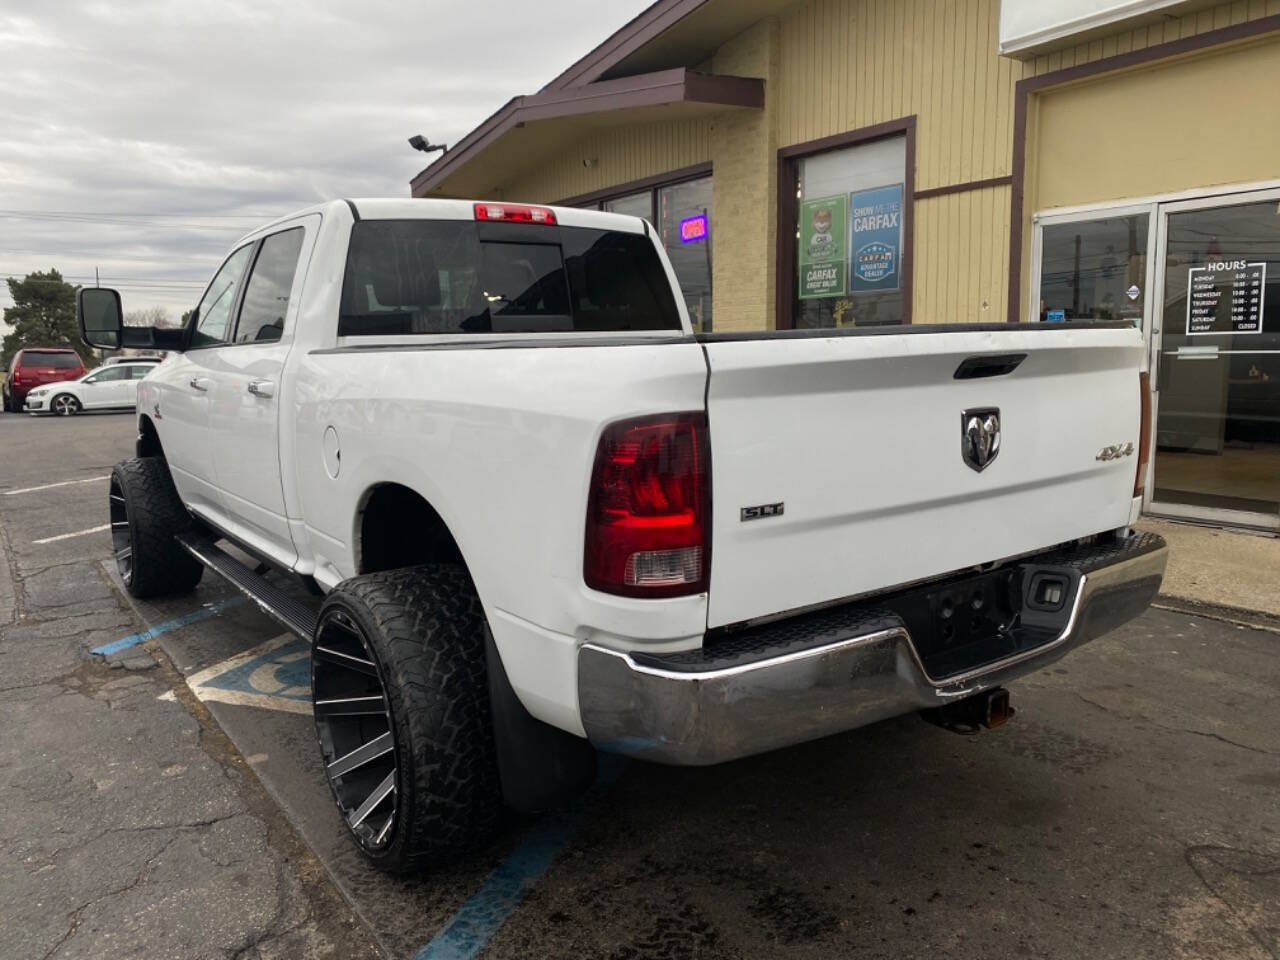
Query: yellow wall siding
x=1155, y=113
x=623, y=153
x=848, y=64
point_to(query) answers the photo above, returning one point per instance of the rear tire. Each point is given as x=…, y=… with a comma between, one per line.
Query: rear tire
x=146, y=515
x=406, y=648
x=64, y=405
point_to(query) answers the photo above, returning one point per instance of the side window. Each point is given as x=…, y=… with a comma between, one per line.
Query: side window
x=266, y=297
x=138, y=370
x=214, y=321
x=107, y=374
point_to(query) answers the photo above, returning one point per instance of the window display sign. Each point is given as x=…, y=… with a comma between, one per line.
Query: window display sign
x=1224, y=297
x=824, y=258
x=693, y=229
x=875, y=239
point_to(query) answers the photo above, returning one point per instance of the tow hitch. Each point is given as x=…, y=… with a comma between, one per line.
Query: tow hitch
x=970, y=715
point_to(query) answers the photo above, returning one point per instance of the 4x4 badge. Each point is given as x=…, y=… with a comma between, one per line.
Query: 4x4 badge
x=980, y=436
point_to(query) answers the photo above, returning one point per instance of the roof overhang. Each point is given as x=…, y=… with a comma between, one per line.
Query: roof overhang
x=1029, y=28
x=533, y=127
x=668, y=33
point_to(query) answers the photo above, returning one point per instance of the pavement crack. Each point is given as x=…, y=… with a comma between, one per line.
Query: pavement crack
x=77, y=915
x=1172, y=729
x=1218, y=736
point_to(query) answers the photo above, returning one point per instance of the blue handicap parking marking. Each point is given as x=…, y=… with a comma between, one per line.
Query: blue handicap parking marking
x=275, y=676
x=282, y=672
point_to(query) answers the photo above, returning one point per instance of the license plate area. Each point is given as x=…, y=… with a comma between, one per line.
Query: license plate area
x=968, y=621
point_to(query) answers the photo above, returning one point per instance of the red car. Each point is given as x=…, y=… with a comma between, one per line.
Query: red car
x=36, y=366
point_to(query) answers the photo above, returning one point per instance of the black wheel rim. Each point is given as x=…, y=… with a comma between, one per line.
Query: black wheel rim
x=353, y=723
x=121, y=541
x=64, y=406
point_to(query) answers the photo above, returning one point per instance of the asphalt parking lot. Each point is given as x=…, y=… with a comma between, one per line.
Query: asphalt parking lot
x=1131, y=809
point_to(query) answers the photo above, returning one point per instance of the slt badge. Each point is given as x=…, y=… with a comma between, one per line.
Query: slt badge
x=980, y=436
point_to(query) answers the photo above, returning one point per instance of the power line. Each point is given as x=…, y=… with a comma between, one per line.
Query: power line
x=6, y=215
x=89, y=276
x=101, y=256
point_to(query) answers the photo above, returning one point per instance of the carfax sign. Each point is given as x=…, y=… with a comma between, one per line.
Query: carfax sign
x=875, y=239
x=824, y=256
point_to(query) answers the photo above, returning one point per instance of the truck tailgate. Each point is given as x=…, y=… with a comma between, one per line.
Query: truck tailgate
x=859, y=438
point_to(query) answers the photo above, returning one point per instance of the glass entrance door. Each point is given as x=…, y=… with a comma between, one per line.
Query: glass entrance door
x=1216, y=338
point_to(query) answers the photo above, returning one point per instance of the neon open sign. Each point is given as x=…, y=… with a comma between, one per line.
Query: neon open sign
x=693, y=229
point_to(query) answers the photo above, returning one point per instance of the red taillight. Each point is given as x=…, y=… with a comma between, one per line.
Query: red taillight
x=1144, y=435
x=649, y=509
x=515, y=213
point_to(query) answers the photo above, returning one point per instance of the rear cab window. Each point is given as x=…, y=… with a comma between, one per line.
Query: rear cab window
x=417, y=277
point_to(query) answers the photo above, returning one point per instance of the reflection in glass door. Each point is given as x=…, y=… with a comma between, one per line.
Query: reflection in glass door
x=1217, y=436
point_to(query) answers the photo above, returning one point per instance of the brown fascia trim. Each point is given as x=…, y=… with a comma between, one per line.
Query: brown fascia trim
x=965, y=187
x=679, y=85
x=684, y=174
x=645, y=27
x=785, y=253
x=1123, y=61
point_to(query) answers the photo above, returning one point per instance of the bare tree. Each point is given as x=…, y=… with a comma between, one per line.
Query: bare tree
x=147, y=317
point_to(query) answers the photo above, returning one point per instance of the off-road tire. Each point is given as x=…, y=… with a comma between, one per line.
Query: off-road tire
x=67, y=410
x=154, y=514
x=424, y=626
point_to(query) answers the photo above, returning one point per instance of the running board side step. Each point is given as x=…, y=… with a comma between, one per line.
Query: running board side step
x=294, y=615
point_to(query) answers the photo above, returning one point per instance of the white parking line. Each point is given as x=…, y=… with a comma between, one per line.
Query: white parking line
x=78, y=533
x=50, y=486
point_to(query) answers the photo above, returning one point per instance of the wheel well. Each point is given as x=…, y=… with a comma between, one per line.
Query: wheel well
x=148, y=439
x=398, y=528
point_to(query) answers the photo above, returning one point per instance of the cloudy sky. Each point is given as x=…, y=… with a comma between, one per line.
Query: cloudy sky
x=142, y=137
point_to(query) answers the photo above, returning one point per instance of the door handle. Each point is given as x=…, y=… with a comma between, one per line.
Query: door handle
x=262, y=388
x=200, y=383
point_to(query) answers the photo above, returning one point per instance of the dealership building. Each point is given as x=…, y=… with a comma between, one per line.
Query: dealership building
x=837, y=163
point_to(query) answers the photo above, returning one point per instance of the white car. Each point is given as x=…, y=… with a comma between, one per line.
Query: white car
x=548, y=518
x=110, y=387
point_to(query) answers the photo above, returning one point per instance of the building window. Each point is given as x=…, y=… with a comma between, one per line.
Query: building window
x=633, y=205
x=1094, y=269
x=679, y=207
x=849, y=230
x=684, y=225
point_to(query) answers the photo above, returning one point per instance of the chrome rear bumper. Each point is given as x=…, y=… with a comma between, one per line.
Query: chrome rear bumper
x=865, y=668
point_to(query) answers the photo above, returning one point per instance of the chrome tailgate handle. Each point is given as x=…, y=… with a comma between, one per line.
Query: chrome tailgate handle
x=199, y=383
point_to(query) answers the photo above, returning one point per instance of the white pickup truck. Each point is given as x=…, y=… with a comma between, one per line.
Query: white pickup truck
x=536, y=515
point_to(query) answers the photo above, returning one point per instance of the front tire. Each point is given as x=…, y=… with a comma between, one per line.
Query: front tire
x=146, y=515
x=401, y=698
x=64, y=405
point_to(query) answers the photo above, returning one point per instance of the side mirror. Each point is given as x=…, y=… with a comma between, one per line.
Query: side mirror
x=100, y=317
x=102, y=324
